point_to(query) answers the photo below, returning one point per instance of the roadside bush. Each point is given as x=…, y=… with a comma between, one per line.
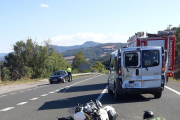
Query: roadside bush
x=5, y=74
x=75, y=71
x=86, y=71
x=105, y=71
x=177, y=75
x=27, y=72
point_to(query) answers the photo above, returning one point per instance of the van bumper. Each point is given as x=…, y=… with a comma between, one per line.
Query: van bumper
x=140, y=90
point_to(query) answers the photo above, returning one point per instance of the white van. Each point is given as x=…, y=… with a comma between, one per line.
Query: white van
x=136, y=70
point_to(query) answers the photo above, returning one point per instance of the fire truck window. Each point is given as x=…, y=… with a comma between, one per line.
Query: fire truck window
x=131, y=59
x=150, y=58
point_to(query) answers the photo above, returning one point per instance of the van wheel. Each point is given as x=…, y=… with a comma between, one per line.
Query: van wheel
x=116, y=95
x=157, y=94
x=110, y=91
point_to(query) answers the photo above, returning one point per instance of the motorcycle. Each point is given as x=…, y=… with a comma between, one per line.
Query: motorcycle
x=91, y=111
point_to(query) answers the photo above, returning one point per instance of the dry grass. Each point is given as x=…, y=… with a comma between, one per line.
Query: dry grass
x=173, y=79
x=20, y=81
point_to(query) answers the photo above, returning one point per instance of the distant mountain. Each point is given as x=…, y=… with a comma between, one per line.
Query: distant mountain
x=91, y=53
x=2, y=55
x=65, y=48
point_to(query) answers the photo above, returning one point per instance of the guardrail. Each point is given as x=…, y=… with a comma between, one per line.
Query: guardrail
x=84, y=74
x=75, y=75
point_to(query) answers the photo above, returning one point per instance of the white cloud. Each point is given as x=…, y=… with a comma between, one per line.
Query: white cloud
x=43, y=5
x=80, y=38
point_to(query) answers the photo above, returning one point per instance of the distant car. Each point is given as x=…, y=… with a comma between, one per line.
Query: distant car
x=59, y=76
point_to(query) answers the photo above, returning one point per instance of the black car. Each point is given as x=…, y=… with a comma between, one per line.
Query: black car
x=59, y=76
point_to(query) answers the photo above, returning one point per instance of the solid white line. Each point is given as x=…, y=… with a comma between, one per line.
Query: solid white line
x=13, y=93
x=22, y=103
x=6, y=109
x=100, y=96
x=44, y=95
x=173, y=90
x=34, y=98
x=21, y=91
x=28, y=89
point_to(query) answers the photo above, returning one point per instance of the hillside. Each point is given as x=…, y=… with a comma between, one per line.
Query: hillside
x=65, y=48
x=93, y=52
x=2, y=56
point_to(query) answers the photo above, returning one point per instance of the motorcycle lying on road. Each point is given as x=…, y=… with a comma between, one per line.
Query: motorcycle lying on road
x=91, y=111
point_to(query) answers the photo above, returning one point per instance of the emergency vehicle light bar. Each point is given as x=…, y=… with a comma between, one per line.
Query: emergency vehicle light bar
x=166, y=33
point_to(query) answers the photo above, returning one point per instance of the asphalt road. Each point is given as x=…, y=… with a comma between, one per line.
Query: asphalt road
x=47, y=102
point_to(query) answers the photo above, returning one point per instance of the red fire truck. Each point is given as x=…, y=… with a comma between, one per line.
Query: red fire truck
x=165, y=39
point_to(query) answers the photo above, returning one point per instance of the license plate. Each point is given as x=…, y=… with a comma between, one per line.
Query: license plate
x=54, y=79
x=132, y=84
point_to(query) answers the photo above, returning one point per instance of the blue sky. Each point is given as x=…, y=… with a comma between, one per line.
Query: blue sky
x=73, y=22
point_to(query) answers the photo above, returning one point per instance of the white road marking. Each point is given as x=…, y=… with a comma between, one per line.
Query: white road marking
x=6, y=109
x=3, y=95
x=22, y=103
x=28, y=89
x=173, y=90
x=44, y=95
x=52, y=92
x=82, y=81
x=58, y=90
x=21, y=91
x=34, y=98
x=13, y=93
x=100, y=96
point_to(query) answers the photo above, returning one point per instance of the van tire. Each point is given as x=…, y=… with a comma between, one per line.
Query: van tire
x=116, y=95
x=157, y=94
x=109, y=90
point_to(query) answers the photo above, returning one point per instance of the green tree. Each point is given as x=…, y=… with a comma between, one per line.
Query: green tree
x=78, y=59
x=5, y=74
x=34, y=61
x=99, y=66
x=177, y=53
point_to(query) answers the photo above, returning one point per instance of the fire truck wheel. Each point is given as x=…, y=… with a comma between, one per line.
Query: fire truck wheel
x=157, y=94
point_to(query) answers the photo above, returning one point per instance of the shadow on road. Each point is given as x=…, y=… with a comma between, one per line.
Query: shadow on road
x=68, y=102
x=130, y=98
x=84, y=88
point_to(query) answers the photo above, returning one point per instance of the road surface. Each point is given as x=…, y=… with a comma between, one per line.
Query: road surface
x=47, y=102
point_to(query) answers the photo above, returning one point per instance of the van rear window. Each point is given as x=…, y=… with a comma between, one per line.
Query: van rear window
x=131, y=59
x=150, y=58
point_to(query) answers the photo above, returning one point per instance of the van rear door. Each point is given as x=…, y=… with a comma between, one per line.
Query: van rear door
x=131, y=69
x=151, y=68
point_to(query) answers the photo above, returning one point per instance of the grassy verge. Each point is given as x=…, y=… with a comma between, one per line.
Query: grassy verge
x=173, y=79
x=24, y=81
x=20, y=81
